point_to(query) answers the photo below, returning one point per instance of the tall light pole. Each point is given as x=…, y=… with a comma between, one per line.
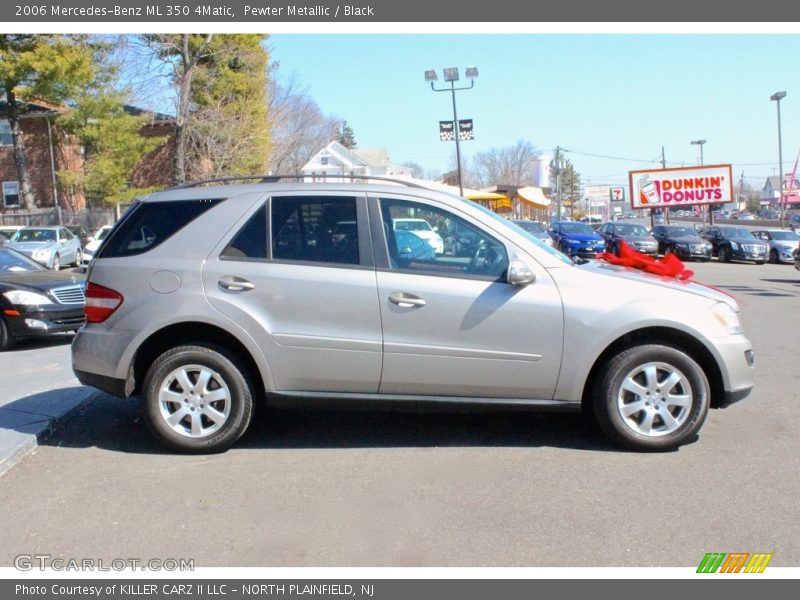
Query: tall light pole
x=777, y=97
x=451, y=76
x=699, y=143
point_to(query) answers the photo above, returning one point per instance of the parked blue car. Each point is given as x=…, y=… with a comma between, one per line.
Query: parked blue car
x=576, y=239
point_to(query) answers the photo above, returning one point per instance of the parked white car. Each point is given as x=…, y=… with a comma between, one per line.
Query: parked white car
x=422, y=229
x=91, y=248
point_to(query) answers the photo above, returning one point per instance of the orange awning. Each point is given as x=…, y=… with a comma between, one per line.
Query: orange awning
x=533, y=196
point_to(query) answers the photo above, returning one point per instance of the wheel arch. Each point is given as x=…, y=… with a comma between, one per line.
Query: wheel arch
x=663, y=336
x=187, y=333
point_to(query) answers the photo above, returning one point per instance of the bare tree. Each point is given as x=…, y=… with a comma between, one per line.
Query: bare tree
x=299, y=129
x=510, y=165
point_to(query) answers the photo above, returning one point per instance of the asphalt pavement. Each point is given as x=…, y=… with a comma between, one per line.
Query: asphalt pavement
x=344, y=488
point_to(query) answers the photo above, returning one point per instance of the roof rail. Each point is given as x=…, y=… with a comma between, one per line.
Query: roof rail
x=275, y=178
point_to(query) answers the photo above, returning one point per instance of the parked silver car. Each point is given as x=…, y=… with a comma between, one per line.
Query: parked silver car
x=783, y=244
x=206, y=300
x=51, y=246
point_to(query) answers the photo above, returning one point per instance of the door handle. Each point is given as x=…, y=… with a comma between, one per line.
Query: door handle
x=236, y=284
x=404, y=300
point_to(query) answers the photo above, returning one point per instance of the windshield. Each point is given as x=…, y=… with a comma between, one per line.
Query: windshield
x=412, y=225
x=785, y=236
x=681, y=232
x=735, y=232
x=103, y=233
x=12, y=261
x=35, y=235
x=530, y=226
x=631, y=230
x=580, y=228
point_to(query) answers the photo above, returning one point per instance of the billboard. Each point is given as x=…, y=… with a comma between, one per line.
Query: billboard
x=600, y=192
x=682, y=186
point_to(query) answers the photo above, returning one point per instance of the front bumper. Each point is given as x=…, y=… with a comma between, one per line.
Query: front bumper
x=694, y=251
x=28, y=321
x=736, y=361
x=583, y=250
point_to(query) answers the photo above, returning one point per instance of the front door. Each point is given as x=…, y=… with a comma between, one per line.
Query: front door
x=451, y=325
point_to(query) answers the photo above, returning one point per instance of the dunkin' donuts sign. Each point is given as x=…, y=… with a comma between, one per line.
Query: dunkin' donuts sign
x=684, y=186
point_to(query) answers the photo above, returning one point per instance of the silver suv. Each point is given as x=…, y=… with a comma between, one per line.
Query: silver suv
x=204, y=300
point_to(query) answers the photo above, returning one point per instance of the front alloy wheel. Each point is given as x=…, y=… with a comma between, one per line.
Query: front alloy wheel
x=651, y=397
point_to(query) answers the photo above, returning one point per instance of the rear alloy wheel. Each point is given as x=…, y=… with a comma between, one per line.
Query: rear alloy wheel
x=57, y=263
x=78, y=258
x=197, y=399
x=651, y=398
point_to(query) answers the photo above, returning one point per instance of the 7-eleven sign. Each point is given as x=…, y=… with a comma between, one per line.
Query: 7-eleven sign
x=617, y=194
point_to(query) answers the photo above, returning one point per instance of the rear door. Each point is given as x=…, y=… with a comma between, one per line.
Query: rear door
x=298, y=275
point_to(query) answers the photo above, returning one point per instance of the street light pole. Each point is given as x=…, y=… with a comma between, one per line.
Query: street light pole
x=451, y=76
x=777, y=97
x=699, y=143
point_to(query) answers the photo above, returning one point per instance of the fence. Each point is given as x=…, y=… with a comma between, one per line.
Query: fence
x=90, y=219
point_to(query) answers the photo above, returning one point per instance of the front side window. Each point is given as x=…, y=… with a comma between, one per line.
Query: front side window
x=429, y=240
x=10, y=194
x=316, y=229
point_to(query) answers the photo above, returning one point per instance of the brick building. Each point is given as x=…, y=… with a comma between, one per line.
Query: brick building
x=49, y=149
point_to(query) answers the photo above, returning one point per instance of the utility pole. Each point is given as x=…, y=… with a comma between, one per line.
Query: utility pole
x=666, y=212
x=558, y=182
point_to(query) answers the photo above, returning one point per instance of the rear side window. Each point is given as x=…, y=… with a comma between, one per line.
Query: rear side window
x=150, y=223
x=251, y=241
x=315, y=229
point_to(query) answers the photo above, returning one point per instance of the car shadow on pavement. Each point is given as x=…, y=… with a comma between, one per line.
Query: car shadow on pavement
x=117, y=425
x=37, y=343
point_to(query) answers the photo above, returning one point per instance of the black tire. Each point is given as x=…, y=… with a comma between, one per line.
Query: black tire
x=646, y=429
x=228, y=379
x=7, y=341
x=773, y=256
x=724, y=254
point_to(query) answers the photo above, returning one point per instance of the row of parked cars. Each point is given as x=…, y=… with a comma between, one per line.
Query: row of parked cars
x=37, y=297
x=727, y=242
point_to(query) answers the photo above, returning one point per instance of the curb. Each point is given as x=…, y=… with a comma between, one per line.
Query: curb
x=23, y=421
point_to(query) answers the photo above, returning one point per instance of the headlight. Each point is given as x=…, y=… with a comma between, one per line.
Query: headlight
x=734, y=245
x=27, y=298
x=727, y=317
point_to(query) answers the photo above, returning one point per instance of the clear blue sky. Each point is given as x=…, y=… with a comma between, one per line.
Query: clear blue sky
x=597, y=94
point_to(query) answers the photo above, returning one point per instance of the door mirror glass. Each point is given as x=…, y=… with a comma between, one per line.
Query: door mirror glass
x=519, y=273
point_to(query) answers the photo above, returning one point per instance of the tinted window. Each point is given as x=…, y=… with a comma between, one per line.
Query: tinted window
x=450, y=244
x=315, y=229
x=251, y=241
x=150, y=223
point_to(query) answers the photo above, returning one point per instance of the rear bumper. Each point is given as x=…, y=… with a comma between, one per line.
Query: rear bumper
x=110, y=385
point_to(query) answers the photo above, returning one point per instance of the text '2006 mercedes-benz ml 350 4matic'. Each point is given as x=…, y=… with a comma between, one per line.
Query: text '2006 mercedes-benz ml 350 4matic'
x=206, y=299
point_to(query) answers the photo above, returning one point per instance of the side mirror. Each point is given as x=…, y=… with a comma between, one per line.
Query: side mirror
x=519, y=273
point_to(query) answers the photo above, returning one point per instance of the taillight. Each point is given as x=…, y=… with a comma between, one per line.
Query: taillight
x=101, y=302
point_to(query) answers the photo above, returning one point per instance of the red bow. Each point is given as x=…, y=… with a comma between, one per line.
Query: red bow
x=669, y=266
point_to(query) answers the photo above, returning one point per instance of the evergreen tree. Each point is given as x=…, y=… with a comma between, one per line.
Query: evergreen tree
x=50, y=68
x=347, y=136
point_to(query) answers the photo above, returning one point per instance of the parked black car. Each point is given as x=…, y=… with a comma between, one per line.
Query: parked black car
x=35, y=301
x=633, y=234
x=683, y=241
x=735, y=243
x=79, y=232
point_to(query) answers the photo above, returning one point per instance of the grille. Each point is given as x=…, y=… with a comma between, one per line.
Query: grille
x=70, y=295
x=754, y=248
x=697, y=248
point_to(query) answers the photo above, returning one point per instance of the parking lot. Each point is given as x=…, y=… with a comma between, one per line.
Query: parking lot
x=345, y=488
